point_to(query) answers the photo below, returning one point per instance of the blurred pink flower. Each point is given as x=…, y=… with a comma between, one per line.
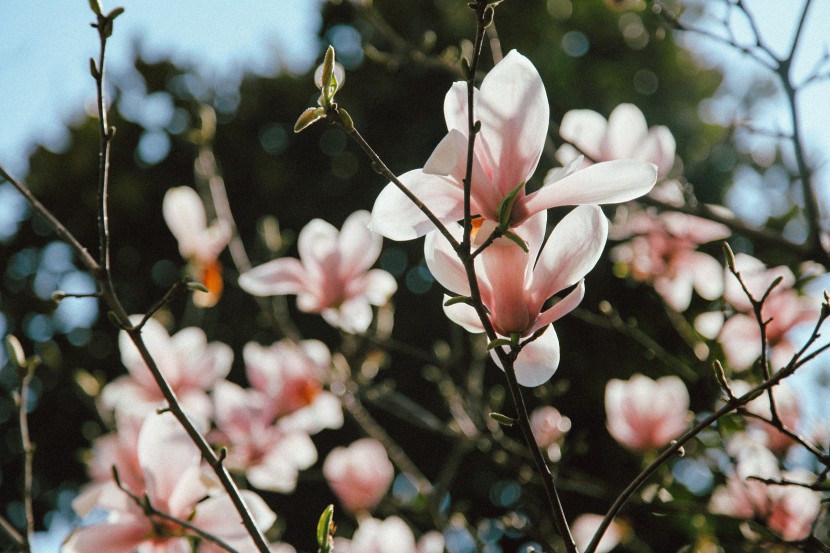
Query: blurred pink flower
x=387, y=536
x=513, y=109
x=198, y=243
x=784, y=308
x=269, y=454
x=175, y=484
x=191, y=365
x=516, y=285
x=788, y=409
x=788, y=510
x=549, y=429
x=663, y=252
x=291, y=377
x=332, y=276
x=625, y=135
x=645, y=414
x=585, y=526
x=360, y=474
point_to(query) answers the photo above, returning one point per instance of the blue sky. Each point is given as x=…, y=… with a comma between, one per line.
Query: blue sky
x=45, y=46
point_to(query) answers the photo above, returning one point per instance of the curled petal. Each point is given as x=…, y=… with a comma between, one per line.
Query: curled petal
x=275, y=278
x=538, y=360
x=561, y=308
x=463, y=315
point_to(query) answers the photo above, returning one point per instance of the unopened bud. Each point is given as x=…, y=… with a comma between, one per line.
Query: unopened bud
x=95, y=6
x=58, y=295
x=14, y=349
x=346, y=120
x=197, y=287
x=308, y=117
x=730, y=257
x=328, y=70
x=503, y=420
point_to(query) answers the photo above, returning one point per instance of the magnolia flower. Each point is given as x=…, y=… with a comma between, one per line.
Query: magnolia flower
x=663, y=252
x=332, y=276
x=199, y=243
x=549, y=429
x=788, y=409
x=788, y=510
x=174, y=484
x=516, y=285
x=386, y=536
x=191, y=365
x=269, y=454
x=625, y=135
x=646, y=414
x=585, y=526
x=513, y=110
x=359, y=475
x=291, y=377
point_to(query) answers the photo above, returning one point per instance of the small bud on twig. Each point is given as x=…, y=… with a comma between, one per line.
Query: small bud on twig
x=325, y=529
x=730, y=257
x=95, y=6
x=346, y=120
x=503, y=420
x=308, y=117
x=14, y=349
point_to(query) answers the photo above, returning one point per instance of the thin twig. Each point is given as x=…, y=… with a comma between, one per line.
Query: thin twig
x=28, y=452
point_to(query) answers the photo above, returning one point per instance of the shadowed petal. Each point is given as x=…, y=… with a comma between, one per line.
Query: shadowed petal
x=277, y=277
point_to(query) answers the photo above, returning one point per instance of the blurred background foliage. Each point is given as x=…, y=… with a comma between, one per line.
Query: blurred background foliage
x=590, y=54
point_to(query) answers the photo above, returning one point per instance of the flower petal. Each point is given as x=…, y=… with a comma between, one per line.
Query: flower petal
x=560, y=308
x=463, y=315
x=537, y=361
x=627, y=128
x=275, y=278
x=359, y=247
x=602, y=183
x=585, y=129
x=443, y=262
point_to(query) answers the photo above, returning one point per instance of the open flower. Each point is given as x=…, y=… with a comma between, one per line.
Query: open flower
x=199, y=243
x=515, y=285
x=191, y=365
x=385, y=536
x=625, y=135
x=513, y=110
x=175, y=484
x=359, y=475
x=332, y=276
x=646, y=414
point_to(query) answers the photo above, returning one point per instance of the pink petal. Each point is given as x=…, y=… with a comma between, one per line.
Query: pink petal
x=607, y=182
x=359, y=247
x=218, y=516
x=353, y=315
x=157, y=340
x=585, y=129
x=443, y=262
x=514, y=114
x=572, y=250
x=398, y=218
x=627, y=128
x=537, y=361
x=184, y=214
x=123, y=536
x=317, y=245
x=463, y=315
x=275, y=278
x=379, y=286
x=659, y=149
x=560, y=308
x=163, y=472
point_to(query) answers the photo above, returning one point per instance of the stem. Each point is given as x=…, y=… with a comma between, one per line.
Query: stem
x=28, y=453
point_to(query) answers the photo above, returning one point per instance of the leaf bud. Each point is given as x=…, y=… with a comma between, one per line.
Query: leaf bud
x=346, y=120
x=95, y=6
x=328, y=69
x=730, y=257
x=308, y=117
x=503, y=420
x=14, y=349
x=197, y=287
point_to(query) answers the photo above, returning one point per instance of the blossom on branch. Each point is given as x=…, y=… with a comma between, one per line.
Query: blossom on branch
x=625, y=135
x=199, y=243
x=512, y=107
x=332, y=276
x=645, y=414
x=175, y=484
x=385, y=536
x=515, y=285
x=360, y=474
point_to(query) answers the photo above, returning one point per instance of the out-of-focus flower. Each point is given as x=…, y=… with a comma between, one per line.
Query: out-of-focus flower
x=386, y=536
x=174, y=484
x=199, y=243
x=269, y=454
x=191, y=365
x=788, y=510
x=625, y=135
x=585, y=526
x=515, y=285
x=291, y=377
x=549, y=429
x=788, y=409
x=784, y=308
x=663, y=251
x=645, y=414
x=360, y=474
x=332, y=276
x=513, y=109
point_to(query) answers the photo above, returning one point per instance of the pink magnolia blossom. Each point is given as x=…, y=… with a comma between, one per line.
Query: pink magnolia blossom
x=787, y=510
x=191, y=365
x=199, y=242
x=646, y=414
x=625, y=135
x=788, y=409
x=663, y=252
x=512, y=107
x=175, y=484
x=360, y=474
x=291, y=377
x=269, y=454
x=785, y=309
x=332, y=276
x=549, y=429
x=387, y=536
x=515, y=285
x=585, y=526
